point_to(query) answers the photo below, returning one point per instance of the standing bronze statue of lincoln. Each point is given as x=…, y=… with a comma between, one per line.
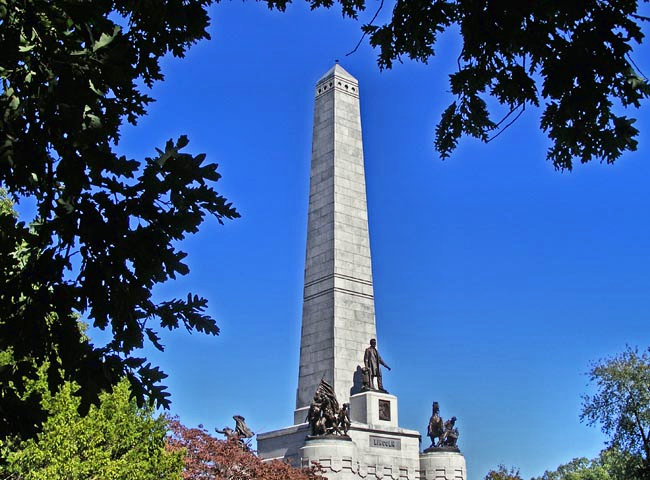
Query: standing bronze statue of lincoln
x=372, y=360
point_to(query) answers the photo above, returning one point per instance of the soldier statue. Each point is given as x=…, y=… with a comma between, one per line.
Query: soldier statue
x=450, y=436
x=240, y=433
x=325, y=415
x=344, y=419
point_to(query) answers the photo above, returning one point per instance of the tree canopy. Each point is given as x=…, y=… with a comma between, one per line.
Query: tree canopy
x=208, y=457
x=621, y=404
x=503, y=473
x=106, y=227
x=611, y=464
x=114, y=440
x=578, y=469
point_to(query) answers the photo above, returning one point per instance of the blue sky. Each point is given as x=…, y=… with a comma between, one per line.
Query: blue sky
x=497, y=279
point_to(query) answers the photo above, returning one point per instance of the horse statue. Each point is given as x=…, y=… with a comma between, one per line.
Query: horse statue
x=436, y=428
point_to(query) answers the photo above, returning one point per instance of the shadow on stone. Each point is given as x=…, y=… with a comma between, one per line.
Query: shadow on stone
x=357, y=381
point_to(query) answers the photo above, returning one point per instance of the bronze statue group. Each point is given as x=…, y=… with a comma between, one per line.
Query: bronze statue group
x=446, y=433
x=327, y=417
x=241, y=433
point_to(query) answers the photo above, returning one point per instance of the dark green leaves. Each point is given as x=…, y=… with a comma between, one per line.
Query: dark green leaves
x=572, y=57
x=107, y=226
x=412, y=31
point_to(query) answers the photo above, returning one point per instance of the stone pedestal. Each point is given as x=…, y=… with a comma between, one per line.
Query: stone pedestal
x=337, y=456
x=387, y=452
x=441, y=465
x=374, y=408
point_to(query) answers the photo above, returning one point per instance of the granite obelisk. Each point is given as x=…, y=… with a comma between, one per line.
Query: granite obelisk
x=338, y=316
x=338, y=320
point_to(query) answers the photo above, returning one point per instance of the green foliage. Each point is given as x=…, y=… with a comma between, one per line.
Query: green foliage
x=574, y=57
x=611, y=464
x=503, y=473
x=6, y=205
x=107, y=226
x=578, y=469
x=621, y=404
x=21, y=377
x=116, y=440
x=621, y=465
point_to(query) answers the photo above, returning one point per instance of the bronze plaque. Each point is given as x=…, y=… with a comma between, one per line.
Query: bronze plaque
x=384, y=410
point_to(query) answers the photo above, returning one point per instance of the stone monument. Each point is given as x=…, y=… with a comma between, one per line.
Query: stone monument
x=342, y=421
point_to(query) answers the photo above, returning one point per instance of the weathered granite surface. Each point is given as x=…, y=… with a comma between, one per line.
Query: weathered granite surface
x=338, y=317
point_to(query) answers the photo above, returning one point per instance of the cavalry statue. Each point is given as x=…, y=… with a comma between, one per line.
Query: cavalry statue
x=445, y=433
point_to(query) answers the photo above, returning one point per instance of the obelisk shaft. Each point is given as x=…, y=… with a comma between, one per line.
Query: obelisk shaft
x=338, y=305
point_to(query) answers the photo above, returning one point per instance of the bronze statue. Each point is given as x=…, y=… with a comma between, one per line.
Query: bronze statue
x=344, y=419
x=241, y=428
x=446, y=433
x=314, y=414
x=436, y=426
x=450, y=435
x=372, y=360
x=240, y=433
x=325, y=416
x=229, y=433
x=365, y=380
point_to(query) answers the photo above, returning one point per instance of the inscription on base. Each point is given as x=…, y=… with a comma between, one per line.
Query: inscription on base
x=385, y=442
x=384, y=410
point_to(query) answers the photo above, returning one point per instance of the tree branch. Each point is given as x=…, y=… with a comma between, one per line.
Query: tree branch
x=636, y=66
x=507, y=115
x=381, y=5
x=523, y=109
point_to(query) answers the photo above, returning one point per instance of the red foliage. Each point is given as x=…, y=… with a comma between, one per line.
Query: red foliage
x=209, y=458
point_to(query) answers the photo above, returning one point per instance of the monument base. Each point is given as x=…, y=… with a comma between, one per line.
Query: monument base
x=336, y=456
x=442, y=465
x=390, y=453
x=379, y=448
